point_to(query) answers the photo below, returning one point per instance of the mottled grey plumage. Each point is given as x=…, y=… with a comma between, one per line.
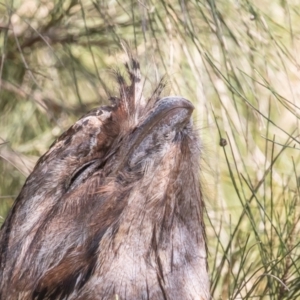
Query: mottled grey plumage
x=114, y=209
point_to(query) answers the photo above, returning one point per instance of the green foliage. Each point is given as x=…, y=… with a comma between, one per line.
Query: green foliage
x=237, y=62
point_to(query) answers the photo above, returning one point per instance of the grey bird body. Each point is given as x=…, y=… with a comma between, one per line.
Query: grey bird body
x=113, y=210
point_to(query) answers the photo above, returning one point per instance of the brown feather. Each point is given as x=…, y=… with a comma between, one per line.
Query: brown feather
x=113, y=209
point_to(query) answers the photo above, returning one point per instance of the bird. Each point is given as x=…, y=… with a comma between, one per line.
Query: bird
x=114, y=209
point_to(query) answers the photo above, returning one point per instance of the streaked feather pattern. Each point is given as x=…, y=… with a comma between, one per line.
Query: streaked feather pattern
x=114, y=209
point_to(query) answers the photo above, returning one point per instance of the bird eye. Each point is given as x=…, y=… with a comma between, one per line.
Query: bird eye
x=80, y=174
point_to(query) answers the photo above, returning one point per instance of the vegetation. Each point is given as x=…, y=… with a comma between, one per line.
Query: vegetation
x=236, y=60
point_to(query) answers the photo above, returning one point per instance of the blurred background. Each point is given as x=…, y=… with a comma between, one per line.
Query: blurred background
x=237, y=61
